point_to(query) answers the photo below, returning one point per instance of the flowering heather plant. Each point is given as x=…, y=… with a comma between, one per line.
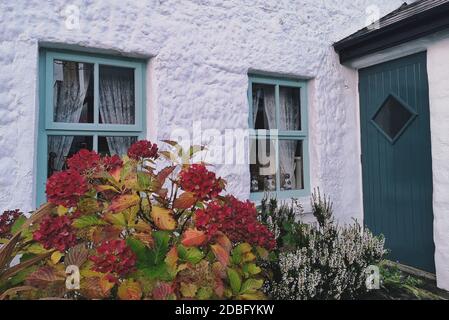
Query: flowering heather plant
x=135, y=232
x=320, y=261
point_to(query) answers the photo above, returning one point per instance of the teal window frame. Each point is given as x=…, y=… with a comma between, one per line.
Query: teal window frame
x=48, y=127
x=300, y=135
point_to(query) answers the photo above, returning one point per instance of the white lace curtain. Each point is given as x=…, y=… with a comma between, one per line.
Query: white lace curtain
x=68, y=96
x=289, y=119
x=117, y=103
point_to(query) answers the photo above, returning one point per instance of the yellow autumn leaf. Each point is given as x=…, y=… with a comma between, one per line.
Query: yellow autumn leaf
x=188, y=290
x=56, y=256
x=129, y=290
x=61, y=210
x=163, y=218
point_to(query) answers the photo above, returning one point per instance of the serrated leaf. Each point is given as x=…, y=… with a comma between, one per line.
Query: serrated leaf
x=221, y=254
x=163, y=218
x=117, y=219
x=105, y=233
x=188, y=290
x=143, y=180
x=193, y=238
x=124, y=202
x=45, y=276
x=185, y=201
x=76, y=255
x=88, y=221
x=234, y=280
x=251, y=286
x=162, y=291
x=190, y=254
x=129, y=290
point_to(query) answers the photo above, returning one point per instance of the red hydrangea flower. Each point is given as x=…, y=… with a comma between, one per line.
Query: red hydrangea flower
x=55, y=233
x=114, y=256
x=236, y=219
x=143, y=149
x=7, y=220
x=200, y=181
x=84, y=161
x=112, y=163
x=65, y=188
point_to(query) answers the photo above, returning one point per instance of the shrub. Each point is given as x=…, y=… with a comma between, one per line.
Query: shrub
x=319, y=261
x=136, y=233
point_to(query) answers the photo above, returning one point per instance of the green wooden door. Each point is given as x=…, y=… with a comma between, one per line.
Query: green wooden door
x=396, y=158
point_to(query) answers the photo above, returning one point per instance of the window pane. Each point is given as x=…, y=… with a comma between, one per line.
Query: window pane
x=392, y=117
x=117, y=101
x=263, y=165
x=115, y=145
x=264, y=107
x=73, y=94
x=62, y=147
x=289, y=109
x=291, y=164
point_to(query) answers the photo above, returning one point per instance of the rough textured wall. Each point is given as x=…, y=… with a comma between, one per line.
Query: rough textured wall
x=202, y=51
x=438, y=71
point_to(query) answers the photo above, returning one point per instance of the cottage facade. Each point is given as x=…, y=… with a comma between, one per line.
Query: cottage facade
x=180, y=68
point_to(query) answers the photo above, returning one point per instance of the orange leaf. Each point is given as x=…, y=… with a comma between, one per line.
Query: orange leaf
x=124, y=202
x=224, y=241
x=129, y=290
x=221, y=254
x=219, y=287
x=185, y=201
x=145, y=238
x=193, y=238
x=172, y=257
x=105, y=233
x=163, y=218
x=164, y=173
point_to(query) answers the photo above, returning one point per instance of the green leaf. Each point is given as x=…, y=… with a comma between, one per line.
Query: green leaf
x=251, y=286
x=160, y=249
x=88, y=221
x=142, y=252
x=204, y=293
x=234, y=280
x=251, y=269
x=143, y=180
x=190, y=254
x=18, y=224
x=158, y=272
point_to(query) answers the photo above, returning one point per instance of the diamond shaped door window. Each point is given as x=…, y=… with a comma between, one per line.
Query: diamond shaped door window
x=393, y=117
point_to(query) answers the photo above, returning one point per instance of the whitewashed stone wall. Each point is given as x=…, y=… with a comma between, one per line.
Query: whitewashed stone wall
x=200, y=53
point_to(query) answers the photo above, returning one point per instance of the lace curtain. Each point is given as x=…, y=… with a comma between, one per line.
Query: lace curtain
x=289, y=118
x=68, y=96
x=117, y=103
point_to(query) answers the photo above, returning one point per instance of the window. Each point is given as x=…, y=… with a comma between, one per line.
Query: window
x=87, y=101
x=279, y=159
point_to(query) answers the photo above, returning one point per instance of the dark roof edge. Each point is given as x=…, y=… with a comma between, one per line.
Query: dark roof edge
x=411, y=28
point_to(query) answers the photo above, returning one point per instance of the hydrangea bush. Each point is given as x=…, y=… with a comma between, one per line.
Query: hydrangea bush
x=135, y=232
x=319, y=261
